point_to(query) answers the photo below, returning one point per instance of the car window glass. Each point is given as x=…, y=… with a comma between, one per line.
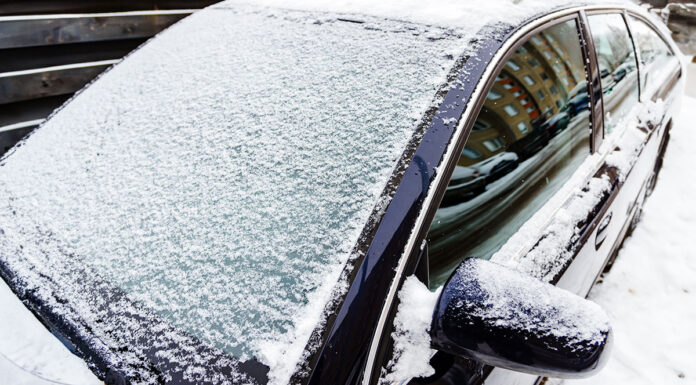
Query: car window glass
x=617, y=66
x=656, y=59
x=531, y=134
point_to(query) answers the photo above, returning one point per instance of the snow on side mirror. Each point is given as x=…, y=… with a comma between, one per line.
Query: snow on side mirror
x=502, y=318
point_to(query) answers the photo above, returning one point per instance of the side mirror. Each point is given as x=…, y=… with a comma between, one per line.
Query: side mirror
x=500, y=317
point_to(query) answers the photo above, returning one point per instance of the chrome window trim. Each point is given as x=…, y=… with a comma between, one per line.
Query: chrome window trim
x=461, y=131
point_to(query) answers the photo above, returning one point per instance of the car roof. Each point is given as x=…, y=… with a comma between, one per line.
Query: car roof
x=458, y=15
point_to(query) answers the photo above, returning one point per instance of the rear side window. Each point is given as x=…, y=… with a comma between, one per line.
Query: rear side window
x=657, y=60
x=530, y=136
x=617, y=66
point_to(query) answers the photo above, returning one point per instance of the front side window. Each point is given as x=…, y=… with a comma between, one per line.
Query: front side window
x=617, y=66
x=524, y=158
x=656, y=58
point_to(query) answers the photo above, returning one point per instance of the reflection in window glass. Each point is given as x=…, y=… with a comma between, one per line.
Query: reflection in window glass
x=471, y=153
x=510, y=169
x=512, y=65
x=512, y=111
x=617, y=67
x=522, y=126
x=494, y=144
x=494, y=95
x=657, y=61
x=480, y=125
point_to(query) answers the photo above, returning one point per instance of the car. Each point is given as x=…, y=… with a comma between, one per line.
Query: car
x=254, y=196
x=465, y=184
x=556, y=123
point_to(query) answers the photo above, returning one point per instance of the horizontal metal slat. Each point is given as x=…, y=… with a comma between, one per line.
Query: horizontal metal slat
x=10, y=137
x=33, y=7
x=49, y=81
x=20, y=125
x=30, y=109
x=18, y=59
x=39, y=30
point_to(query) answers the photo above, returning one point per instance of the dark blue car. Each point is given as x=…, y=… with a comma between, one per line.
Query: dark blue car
x=254, y=196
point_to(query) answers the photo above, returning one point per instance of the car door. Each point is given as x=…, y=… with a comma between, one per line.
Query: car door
x=633, y=137
x=636, y=142
x=614, y=59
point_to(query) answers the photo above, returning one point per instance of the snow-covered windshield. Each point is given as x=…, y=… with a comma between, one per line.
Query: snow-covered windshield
x=222, y=174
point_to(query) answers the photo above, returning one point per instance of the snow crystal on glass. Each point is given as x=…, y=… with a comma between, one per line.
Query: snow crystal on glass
x=221, y=174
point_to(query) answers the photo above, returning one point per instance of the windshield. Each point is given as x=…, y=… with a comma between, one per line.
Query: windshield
x=220, y=177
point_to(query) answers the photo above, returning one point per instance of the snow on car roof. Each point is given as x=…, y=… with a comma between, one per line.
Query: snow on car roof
x=462, y=15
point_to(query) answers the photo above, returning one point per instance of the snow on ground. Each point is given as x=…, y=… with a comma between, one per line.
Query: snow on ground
x=650, y=293
x=691, y=79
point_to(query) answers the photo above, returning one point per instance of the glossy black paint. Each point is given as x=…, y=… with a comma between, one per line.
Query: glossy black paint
x=460, y=326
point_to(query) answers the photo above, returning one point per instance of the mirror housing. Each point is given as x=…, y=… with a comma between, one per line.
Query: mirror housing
x=500, y=317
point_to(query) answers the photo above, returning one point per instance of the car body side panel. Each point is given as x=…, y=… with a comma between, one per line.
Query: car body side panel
x=582, y=273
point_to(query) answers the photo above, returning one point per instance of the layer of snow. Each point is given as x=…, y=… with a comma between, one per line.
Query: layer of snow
x=30, y=354
x=411, y=335
x=549, y=255
x=691, y=79
x=221, y=176
x=447, y=13
x=650, y=292
x=514, y=301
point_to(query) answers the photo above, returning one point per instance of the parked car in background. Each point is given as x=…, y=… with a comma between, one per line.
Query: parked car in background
x=242, y=199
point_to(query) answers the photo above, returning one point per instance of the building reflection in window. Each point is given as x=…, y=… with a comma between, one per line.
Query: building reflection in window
x=531, y=134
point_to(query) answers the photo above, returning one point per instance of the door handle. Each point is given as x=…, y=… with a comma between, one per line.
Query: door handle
x=602, y=230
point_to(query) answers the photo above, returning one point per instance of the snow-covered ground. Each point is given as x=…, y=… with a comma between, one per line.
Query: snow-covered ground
x=650, y=293
x=691, y=80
